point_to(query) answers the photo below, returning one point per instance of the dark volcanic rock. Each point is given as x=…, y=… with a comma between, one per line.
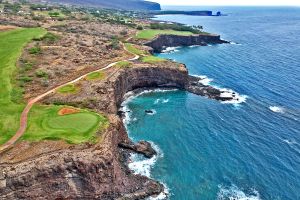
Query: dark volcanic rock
x=163, y=41
x=149, y=111
x=142, y=147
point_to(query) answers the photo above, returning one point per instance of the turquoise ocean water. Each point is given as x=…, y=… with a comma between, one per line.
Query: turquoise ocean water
x=209, y=150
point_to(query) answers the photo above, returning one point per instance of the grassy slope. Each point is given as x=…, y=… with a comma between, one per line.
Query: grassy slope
x=152, y=59
x=11, y=44
x=151, y=33
x=131, y=48
x=44, y=121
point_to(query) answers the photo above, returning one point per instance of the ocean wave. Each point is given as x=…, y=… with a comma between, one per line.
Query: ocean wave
x=237, y=98
x=234, y=43
x=193, y=46
x=141, y=165
x=170, y=50
x=157, y=101
x=235, y=193
x=162, y=196
x=277, y=109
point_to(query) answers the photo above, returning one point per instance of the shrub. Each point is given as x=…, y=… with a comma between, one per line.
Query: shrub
x=35, y=50
x=41, y=74
x=140, y=27
x=25, y=79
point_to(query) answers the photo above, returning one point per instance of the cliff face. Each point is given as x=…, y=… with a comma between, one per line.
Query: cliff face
x=163, y=41
x=96, y=171
x=89, y=171
x=149, y=77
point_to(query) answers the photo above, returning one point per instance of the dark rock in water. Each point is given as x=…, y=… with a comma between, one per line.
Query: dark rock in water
x=153, y=188
x=142, y=147
x=121, y=113
x=196, y=87
x=149, y=111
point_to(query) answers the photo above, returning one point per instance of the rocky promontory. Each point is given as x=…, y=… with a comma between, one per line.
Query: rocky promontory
x=161, y=42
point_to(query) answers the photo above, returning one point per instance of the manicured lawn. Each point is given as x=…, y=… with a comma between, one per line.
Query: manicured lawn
x=68, y=89
x=95, y=76
x=46, y=123
x=151, y=33
x=11, y=105
x=152, y=59
x=134, y=50
x=123, y=64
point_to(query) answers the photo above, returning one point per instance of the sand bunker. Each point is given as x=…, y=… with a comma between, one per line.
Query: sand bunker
x=6, y=28
x=67, y=111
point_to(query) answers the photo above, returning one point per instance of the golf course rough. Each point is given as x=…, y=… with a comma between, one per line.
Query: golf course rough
x=44, y=122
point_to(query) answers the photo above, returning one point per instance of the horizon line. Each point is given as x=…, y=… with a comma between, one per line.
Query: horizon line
x=234, y=5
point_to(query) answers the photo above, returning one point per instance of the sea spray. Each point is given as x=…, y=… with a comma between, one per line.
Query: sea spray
x=235, y=193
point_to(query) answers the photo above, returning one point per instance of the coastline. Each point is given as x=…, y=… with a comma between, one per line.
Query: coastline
x=113, y=167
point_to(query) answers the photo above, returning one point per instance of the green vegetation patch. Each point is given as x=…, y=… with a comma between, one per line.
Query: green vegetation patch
x=151, y=33
x=152, y=59
x=132, y=49
x=123, y=64
x=68, y=89
x=48, y=37
x=95, y=76
x=35, y=50
x=11, y=106
x=45, y=123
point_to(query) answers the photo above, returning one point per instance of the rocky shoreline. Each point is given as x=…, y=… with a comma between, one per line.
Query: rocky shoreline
x=161, y=42
x=56, y=170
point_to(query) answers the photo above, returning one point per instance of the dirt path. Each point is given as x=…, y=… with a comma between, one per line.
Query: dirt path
x=24, y=115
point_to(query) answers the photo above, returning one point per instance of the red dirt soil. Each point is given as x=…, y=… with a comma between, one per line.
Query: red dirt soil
x=67, y=111
x=6, y=28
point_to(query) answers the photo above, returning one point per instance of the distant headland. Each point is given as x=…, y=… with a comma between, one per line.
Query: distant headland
x=193, y=13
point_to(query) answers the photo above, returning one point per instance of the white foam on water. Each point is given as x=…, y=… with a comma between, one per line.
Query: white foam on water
x=205, y=80
x=237, y=98
x=234, y=43
x=165, y=100
x=235, y=193
x=193, y=46
x=141, y=165
x=162, y=196
x=156, y=101
x=277, y=109
x=170, y=50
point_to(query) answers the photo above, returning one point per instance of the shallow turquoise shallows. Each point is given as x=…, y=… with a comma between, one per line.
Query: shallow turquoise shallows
x=209, y=150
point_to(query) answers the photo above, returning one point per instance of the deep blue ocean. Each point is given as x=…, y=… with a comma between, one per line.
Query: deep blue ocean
x=209, y=150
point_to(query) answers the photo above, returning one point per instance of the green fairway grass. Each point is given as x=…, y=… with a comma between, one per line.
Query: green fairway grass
x=95, y=76
x=123, y=64
x=11, y=106
x=152, y=59
x=68, y=89
x=151, y=33
x=43, y=122
x=134, y=50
